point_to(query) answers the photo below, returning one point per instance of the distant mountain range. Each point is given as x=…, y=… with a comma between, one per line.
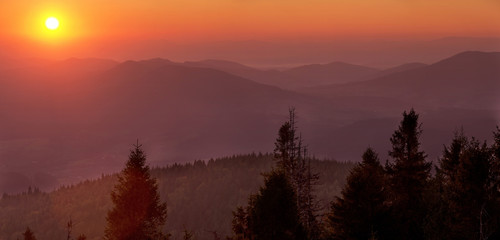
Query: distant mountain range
x=379, y=53
x=304, y=76
x=466, y=80
x=70, y=120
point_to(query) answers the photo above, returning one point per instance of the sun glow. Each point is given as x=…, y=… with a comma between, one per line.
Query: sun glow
x=52, y=23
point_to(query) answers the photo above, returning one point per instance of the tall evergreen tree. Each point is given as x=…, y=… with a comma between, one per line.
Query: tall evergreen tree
x=274, y=214
x=291, y=157
x=288, y=150
x=495, y=185
x=271, y=213
x=469, y=192
x=435, y=224
x=440, y=220
x=28, y=234
x=450, y=161
x=309, y=204
x=240, y=223
x=361, y=211
x=496, y=161
x=408, y=176
x=138, y=213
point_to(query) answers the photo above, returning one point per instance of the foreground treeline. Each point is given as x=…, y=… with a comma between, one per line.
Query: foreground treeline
x=403, y=199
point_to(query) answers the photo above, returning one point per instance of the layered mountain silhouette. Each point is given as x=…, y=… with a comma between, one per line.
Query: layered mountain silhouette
x=336, y=72
x=77, y=118
x=304, y=76
x=401, y=68
x=269, y=77
x=466, y=80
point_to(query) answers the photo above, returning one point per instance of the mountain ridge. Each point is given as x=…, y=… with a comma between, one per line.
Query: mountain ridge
x=444, y=80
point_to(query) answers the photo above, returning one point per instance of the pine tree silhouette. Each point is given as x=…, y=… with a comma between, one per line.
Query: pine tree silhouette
x=408, y=175
x=361, y=211
x=137, y=213
x=28, y=234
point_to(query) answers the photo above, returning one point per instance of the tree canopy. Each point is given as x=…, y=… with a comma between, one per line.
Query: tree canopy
x=408, y=175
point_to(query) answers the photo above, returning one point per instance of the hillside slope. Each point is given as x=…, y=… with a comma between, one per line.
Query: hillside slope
x=200, y=198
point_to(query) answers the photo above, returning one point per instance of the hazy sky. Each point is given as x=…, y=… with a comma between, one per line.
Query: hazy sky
x=86, y=23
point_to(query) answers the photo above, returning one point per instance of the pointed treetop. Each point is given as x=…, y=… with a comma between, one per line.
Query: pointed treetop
x=137, y=145
x=370, y=157
x=405, y=140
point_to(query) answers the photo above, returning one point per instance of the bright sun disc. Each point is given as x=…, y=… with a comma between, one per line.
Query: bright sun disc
x=52, y=23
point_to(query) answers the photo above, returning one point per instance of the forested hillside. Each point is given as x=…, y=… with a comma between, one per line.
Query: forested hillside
x=200, y=198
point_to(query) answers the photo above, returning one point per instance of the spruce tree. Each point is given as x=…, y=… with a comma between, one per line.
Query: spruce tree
x=469, y=192
x=496, y=161
x=450, y=161
x=288, y=150
x=274, y=214
x=138, y=213
x=441, y=218
x=435, y=225
x=240, y=223
x=291, y=157
x=271, y=213
x=361, y=211
x=495, y=185
x=28, y=234
x=408, y=176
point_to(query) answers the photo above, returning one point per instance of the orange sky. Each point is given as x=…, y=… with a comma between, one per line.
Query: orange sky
x=85, y=22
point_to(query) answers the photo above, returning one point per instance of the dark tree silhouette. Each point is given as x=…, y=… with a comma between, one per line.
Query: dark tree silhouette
x=288, y=150
x=496, y=146
x=137, y=213
x=187, y=235
x=495, y=195
x=69, y=228
x=274, y=214
x=240, y=223
x=408, y=176
x=361, y=211
x=28, y=234
x=271, y=213
x=450, y=161
x=81, y=237
x=440, y=217
x=291, y=157
x=468, y=183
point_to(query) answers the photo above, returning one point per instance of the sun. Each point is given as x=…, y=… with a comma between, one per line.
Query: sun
x=52, y=23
